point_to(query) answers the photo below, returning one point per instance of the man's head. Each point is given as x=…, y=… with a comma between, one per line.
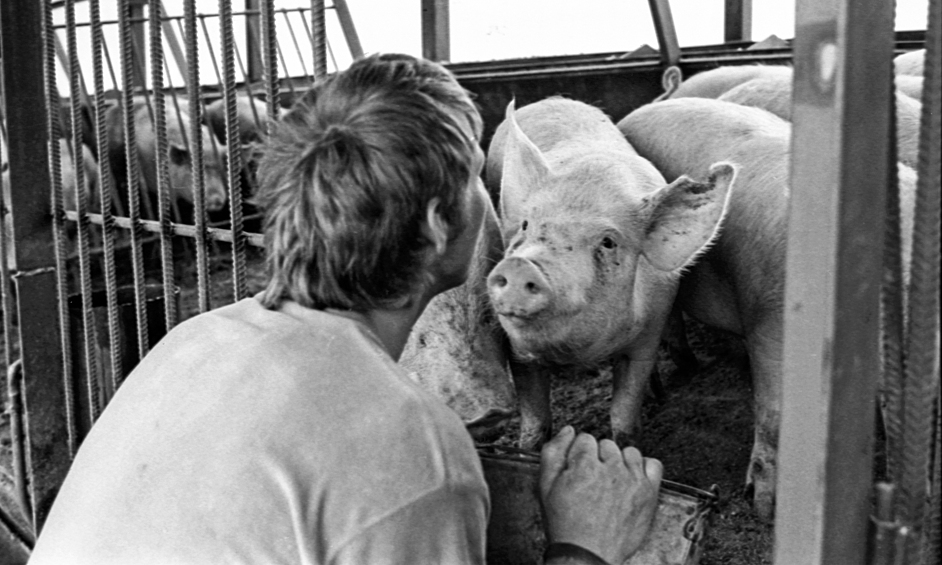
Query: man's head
x=355, y=174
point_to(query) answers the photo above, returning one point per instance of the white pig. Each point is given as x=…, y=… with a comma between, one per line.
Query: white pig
x=712, y=83
x=738, y=283
x=179, y=155
x=774, y=94
x=457, y=349
x=596, y=241
x=911, y=63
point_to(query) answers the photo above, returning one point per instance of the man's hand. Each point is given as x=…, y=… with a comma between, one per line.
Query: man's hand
x=596, y=495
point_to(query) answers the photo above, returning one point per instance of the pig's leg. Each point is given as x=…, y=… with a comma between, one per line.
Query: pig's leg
x=764, y=344
x=630, y=375
x=675, y=334
x=533, y=394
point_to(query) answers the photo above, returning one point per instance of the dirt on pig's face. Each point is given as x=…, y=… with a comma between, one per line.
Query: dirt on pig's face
x=563, y=291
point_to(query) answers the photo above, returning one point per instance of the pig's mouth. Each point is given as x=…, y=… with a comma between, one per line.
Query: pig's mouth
x=481, y=427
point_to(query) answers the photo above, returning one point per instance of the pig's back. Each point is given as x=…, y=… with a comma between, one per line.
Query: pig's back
x=713, y=83
x=686, y=136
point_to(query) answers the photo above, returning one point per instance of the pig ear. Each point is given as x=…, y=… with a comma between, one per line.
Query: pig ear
x=685, y=216
x=523, y=166
x=179, y=155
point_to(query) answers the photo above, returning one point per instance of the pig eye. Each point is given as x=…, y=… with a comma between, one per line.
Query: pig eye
x=524, y=228
x=608, y=243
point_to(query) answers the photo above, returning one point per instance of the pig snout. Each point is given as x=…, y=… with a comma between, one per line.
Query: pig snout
x=518, y=288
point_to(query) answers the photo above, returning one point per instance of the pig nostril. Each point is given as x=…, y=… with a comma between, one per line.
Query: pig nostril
x=532, y=288
x=500, y=281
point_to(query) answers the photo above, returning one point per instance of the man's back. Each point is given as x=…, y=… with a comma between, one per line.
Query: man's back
x=256, y=436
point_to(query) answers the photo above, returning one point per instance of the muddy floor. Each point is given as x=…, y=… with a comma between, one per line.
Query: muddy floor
x=701, y=430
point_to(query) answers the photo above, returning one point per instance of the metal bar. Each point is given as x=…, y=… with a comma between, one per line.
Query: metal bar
x=106, y=187
x=349, y=30
x=134, y=189
x=90, y=332
x=171, y=37
x=270, y=65
x=839, y=164
x=53, y=132
x=737, y=20
x=163, y=167
x=25, y=52
x=196, y=154
x=253, y=49
x=319, y=30
x=185, y=230
x=436, y=33
x=310, y=38
x=922, y=333
x=136, y=21
x=666, y=34
x=297, y=49
x=234, y=163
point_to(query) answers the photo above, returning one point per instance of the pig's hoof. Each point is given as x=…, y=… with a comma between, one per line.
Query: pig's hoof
x=760, y=487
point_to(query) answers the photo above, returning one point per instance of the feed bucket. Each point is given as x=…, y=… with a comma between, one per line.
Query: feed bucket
x=515, y=530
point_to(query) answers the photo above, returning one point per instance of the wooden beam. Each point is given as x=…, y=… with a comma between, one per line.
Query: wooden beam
x=737, y=21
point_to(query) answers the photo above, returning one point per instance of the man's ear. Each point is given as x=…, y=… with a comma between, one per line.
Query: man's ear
x=435, y=229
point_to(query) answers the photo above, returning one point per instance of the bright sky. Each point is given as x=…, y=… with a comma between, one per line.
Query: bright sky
x=481, y=30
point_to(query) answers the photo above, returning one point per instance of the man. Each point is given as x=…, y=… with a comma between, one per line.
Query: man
x=280, y=429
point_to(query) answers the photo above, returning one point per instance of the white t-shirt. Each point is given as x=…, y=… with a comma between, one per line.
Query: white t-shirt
x=257, y=436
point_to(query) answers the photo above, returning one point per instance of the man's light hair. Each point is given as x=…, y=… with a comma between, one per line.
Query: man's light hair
x=347, y=176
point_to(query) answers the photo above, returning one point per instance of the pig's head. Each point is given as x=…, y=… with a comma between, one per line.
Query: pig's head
x=214, y=165
x=595, y=241
x=457, y=349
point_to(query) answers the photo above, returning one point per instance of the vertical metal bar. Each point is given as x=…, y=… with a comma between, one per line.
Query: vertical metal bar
x=196, y=153
x=319, y=29
x=922, y=333
x=170, y=36
x=310, y=38
x=90, y=332
x=666, y=34
x=252, y=48
x=106, y=191
x=270, y=65
x=737, y=20
x=136, y=52
x=234, y=163
x=349, y=30
x=164, y=188
x=134, y=174
x=436, y=32
x=297, y=49
x=24, y=53
x=839, y=164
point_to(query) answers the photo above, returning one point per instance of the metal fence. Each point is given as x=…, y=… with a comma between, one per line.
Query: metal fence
x=151, y=217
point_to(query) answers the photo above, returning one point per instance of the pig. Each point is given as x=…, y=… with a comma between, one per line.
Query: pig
x=911, y=63
x=89, y=169
x=457, y=349
x=595, y=243
x=251, y=114
x=909, y=85
x=774, y=94
x=178, y=152
x=738, y=284
x=252, y=117
x=713, y=83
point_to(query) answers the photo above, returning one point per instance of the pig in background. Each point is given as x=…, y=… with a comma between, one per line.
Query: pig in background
x=595, y=243
x=457, y=349
x=89, y=169
x=179, y=154
x=252, y=121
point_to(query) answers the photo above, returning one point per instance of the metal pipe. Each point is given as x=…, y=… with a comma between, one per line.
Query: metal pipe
x=436, y=34
x=843, y=57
